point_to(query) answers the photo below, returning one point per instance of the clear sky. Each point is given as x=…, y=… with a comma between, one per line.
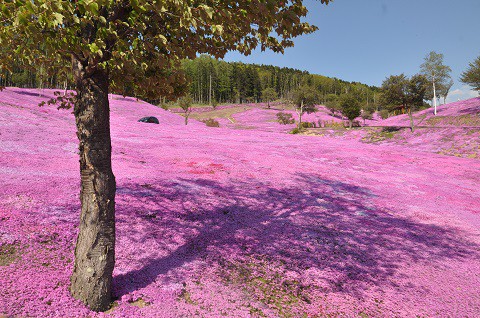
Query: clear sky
x=366, y=41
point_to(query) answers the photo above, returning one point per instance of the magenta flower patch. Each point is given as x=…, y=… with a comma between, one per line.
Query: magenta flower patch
x=240, y=222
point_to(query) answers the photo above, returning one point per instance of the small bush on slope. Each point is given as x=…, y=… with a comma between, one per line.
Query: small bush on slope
x=285, y=118
x=383, y=113
x=295, y=131
x=307, y=124
x=210, y=122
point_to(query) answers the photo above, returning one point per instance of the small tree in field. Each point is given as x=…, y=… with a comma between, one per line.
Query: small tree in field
x=416, y=89
x=472, y=75
x=435, y=72
x=444, y=89
x=285, y=118
x=350, y=107
x=269, y=94
x=331, y=102
x=185, y=104
x=366, y=114
x=137, y=44
x=304, y=98
x=410, y=93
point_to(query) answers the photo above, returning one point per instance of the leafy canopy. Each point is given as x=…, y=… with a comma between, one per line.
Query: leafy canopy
x=305, y=98
x=141, y=42
x=471, y=75
x=350, y=106
x=185, y=103
x=435, y=71
x=269, y=94
x=394, y=90
x=400, y=90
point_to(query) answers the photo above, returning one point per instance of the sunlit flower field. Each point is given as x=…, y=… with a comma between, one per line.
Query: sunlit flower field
x=215, y=222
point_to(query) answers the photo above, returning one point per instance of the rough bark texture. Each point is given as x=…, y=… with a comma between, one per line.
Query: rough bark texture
x=300, y=113
x=95, y=249
x=410, y=115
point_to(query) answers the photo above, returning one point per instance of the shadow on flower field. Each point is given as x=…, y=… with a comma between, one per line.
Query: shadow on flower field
x=323, y=235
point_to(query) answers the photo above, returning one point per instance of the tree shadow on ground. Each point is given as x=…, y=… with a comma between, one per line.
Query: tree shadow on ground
x=473, y=110
x=309, y=224
x=35, y=94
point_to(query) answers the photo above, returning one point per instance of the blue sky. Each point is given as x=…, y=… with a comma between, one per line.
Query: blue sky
x=366, y=41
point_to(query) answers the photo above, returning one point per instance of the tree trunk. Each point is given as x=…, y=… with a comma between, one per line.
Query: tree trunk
x=350, y=123
x=210, y=91
x=95, y=250
x=300, y=113
x=412, y=124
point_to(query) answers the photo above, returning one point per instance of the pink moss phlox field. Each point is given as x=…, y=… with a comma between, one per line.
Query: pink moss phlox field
x=259, y=117
x=465, y=108
x=238, y=222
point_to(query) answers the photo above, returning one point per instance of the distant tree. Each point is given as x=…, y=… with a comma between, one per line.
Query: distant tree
x=436, y=73
x=269, y=94
x=444, y=89
x=331, y=102
x=409, y=93
x=185, y=104
x=383, y=113
x=285, y=118
x=214, y=103
x=471, y=76
x=417, y=87
x=366, y=114
x=304, y=98
x=394, y=91
x=350, y=107
x=136, y=44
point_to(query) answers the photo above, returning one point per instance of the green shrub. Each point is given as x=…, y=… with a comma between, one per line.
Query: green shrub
x=383, y=113
x=295, y=131
x=333, y=124
x=354, y=123
x=285, y=118
x=214, y=103
x=307, y=124
x=210, y=122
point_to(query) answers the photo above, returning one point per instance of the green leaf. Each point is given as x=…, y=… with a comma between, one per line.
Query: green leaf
x=163, y=38
x=58, y=19
x=218, y=29
x=208, y=10
x=93, y=7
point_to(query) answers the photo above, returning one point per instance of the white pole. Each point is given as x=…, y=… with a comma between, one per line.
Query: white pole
x=434, y=97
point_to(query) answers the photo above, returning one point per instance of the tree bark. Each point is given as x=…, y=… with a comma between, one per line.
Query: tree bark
x=300, y=113
x=95, y=250
x=412, y=123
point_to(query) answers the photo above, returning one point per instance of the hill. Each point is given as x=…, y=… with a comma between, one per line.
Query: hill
x=230, y=222
x=455, y=131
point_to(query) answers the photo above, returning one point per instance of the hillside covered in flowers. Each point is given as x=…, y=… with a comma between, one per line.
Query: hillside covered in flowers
x=215, y=222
